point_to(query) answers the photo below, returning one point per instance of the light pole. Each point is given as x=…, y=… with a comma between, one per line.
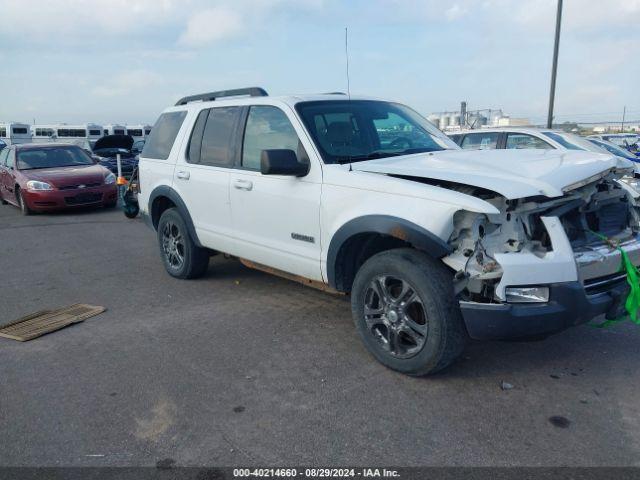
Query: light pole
x=554, y=67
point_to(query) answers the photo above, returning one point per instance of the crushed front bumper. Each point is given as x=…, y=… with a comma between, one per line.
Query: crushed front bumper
x=570, y=304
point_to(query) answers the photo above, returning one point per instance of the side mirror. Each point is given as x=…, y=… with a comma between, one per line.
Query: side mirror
x=282, y=162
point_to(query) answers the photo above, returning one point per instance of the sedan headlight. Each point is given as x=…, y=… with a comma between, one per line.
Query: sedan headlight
x=527, y=294
x=36, y=185
x=110, y=179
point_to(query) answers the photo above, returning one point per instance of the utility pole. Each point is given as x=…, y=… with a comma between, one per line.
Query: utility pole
x=554, y=67
x=624, y=113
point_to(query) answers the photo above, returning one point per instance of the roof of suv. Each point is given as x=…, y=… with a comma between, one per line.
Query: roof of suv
x=290, y=100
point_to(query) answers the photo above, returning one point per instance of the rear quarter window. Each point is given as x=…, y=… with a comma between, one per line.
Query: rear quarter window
x=163, y=135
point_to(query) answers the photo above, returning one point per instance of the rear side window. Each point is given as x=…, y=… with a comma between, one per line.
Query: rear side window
x=163, y=135
x=217, y=138
x=480, y=141
x=195, y=143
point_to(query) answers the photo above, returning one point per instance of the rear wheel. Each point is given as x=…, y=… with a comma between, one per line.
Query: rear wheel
x=24, y=208
x=406, y=313
x=181, y=256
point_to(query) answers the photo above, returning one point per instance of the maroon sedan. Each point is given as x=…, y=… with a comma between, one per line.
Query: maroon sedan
x=42, y=177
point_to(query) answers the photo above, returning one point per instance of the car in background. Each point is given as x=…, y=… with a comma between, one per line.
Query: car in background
x=519, y=138
x=533, y=138
x=38, y=177
x=615, y=149
x=627, y=141
x=107, y=149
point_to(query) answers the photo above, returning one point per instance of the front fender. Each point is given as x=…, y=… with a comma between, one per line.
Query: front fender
x=396, y=227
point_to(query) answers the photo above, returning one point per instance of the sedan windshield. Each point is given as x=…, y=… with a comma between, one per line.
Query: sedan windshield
x=51, y=157
x=357, y=130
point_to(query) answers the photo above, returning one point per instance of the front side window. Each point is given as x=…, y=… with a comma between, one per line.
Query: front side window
x=480, y=141
x=3, y=156
x=355, y=130
x=48, y=157
x=268, y=128
x=525, y=141
x=11, y=158
x=163, y=135
x=217, y=138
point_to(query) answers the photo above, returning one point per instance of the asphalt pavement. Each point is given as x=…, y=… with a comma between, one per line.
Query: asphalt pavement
x=241, y=368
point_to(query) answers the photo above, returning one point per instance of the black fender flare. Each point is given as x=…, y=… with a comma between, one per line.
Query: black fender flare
x=396, y=227
x=171, y=194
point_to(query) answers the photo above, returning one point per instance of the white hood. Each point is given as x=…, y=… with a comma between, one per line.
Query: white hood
x=511, y=173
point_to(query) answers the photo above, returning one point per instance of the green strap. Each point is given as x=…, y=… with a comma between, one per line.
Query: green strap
x=632, y=303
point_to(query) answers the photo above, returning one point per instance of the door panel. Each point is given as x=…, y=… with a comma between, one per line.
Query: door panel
x=202, y=177
x=276, y=218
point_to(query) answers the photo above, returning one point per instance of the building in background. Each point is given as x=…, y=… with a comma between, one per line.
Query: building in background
x=451, y=121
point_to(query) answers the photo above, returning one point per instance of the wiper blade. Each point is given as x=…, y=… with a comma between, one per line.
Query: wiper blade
x=368, y=156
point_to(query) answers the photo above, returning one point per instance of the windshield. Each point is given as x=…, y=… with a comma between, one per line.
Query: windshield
x=615, y=149
x=570, y=141
x=356, y=130
x=33, y=158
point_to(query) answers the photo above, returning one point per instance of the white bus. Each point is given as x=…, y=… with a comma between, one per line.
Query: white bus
x=62, y=132
x=114, y=129
x=13, y=132
x=136, y=131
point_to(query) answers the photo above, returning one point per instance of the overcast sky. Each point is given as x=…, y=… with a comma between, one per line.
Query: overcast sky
x=126, y=60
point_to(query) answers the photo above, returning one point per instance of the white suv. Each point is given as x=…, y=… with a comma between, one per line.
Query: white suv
x=435, y=244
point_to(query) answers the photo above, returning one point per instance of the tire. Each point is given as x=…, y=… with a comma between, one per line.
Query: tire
x=131, y=211
x=24, y=208
x=419, y=336
x=182, y=258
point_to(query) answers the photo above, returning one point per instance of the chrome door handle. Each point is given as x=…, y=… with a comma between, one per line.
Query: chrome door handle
x=243, y=185
x=183, y=175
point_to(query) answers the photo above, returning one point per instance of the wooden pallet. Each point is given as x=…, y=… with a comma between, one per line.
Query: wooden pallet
x=46, y=321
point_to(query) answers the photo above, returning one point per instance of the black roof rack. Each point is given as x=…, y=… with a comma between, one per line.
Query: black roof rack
x=238, y=92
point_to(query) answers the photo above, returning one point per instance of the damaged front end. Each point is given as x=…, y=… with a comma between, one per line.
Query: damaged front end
x=537, y=266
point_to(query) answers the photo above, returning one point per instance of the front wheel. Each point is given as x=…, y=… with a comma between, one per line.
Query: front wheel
x=406, y=313
x=181, y=256
x=22, y=203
